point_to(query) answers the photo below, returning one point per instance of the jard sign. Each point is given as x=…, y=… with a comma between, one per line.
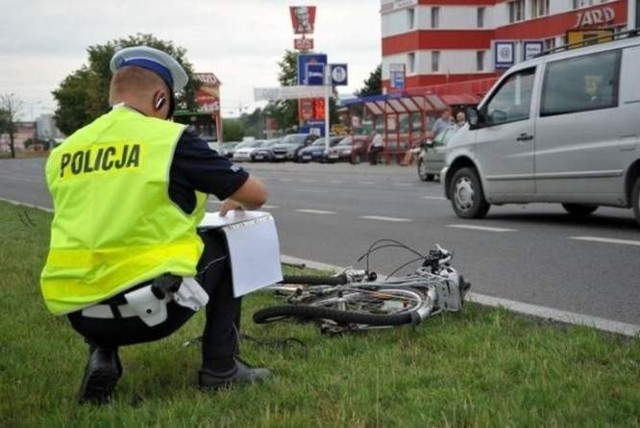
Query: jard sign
x=595, y=17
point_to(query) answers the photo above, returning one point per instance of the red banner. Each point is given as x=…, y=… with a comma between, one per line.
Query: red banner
x=303, y=44
x=303, y=19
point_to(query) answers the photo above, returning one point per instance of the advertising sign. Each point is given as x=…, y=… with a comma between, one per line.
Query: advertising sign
x=397, y=76
x=303, y=19
x=388, y=6
x=595, y=17
x=579, y=38
x=503, y=54
x=304, y=60
x=208, y=95
x=315, y=74
x=531, y=48
x=303, y=44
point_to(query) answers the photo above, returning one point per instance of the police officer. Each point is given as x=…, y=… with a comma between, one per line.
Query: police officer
x=126, y=264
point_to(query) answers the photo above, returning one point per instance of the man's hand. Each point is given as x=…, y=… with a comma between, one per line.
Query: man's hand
x=229, y=205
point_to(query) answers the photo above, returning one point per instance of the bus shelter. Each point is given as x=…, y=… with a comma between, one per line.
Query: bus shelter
x=403, y=120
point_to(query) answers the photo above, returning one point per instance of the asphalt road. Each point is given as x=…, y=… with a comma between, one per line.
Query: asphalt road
x=536, y=254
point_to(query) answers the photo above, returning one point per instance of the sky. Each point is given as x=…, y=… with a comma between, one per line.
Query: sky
x=240, y=41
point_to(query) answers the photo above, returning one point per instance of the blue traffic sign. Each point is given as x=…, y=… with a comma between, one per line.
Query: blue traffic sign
x=339, y=74
x=315, y=74
x=304, y=60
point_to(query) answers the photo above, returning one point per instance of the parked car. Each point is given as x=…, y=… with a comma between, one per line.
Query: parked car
x=351, y=149
x=432, y=155
x=561, y=128
x=291, y=145
x=244, y=151
x=226, y=149
x=264, y=153
x=315, y=151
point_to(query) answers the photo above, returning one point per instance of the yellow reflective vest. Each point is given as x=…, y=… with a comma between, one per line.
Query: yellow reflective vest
x=114, y=225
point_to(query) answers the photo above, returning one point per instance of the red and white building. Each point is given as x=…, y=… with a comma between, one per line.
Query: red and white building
x=441, y=42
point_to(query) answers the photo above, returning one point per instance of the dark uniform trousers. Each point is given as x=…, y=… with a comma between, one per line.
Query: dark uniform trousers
x=220, y=335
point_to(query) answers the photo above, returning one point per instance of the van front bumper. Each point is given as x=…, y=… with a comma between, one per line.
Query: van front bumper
x=443, y=181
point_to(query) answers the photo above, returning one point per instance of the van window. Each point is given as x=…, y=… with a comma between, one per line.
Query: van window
x=589, y=82
x=512, y=100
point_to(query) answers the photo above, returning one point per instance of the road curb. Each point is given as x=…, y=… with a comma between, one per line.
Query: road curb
x=511, y=305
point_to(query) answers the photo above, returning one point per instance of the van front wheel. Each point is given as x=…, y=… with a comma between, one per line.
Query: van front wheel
x=580, y=210
x=635, y=199
x=467, y=197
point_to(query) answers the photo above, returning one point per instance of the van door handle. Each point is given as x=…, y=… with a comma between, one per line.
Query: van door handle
x=524, y=137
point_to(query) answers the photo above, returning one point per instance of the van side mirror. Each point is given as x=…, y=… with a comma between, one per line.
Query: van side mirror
x=473, y=117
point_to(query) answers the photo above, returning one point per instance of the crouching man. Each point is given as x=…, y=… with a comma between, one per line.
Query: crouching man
x=126, y=264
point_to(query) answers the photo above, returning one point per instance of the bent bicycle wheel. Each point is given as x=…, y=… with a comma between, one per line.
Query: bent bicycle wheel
x=380, y=307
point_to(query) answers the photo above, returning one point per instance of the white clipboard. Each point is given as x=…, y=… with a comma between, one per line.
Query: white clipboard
x=253, y=245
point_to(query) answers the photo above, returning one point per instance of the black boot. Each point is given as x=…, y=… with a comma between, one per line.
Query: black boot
x=240, y=374
x=101, y=375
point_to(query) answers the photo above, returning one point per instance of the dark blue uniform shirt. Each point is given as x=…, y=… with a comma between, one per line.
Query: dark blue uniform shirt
x=196, y=167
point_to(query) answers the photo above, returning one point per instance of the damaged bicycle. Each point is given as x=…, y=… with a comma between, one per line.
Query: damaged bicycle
x=357, y=299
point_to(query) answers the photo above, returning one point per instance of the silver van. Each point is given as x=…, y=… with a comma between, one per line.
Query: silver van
x=563, y=127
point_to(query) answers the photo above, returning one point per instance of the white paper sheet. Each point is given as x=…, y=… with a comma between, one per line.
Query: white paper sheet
x=254, y=248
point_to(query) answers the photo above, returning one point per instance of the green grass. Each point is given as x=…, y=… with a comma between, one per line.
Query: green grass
x=479, y=367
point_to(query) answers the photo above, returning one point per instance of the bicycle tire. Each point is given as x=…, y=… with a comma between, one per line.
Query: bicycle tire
x=314, y=279
x=312, y=310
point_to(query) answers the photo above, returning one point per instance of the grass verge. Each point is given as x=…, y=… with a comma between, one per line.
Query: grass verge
x=479, y=367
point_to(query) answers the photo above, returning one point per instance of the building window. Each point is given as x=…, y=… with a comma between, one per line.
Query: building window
x=549, y=44
x=411, y=62
x=516, y=10
x=411, y=19
x=481, y=17
x=480, y=60
x=577, y=4
x=435, y=17
x=539, y=8
x=435, y=61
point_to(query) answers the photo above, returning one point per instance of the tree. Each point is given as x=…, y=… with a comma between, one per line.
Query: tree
x=373, y=84
x=232, y=130
x=10, y=111
x=252, y=123
x=285, y=112
x=84, y=95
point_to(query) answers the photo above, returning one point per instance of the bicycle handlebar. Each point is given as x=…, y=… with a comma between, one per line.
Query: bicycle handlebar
x=340, y=279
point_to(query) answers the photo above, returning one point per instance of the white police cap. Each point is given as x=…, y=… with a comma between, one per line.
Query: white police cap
x=155, y=60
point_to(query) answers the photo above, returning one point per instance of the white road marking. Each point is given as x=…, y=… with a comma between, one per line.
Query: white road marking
x=605, y=240
x=312, y=190
x=30, y=180
x=316, y=212
x=439, y=198
x=485, y=228
x=266, y=207
x=336, y=181
x=402, y=184
x=395, y=219
x=366, y=182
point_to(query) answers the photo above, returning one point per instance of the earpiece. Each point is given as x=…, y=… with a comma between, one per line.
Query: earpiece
x=160, y=103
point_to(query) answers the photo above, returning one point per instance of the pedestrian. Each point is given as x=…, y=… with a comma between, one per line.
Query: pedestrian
x=376, y=146
x=461, y=120
x=129, y=190
x=444, y=121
